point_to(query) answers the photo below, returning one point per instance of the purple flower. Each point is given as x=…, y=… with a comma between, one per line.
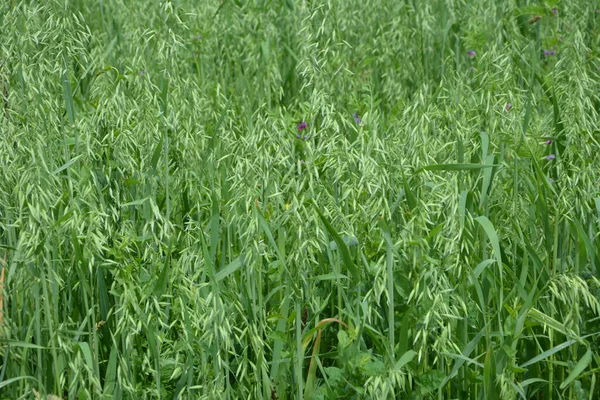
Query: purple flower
x=302, y=125
x=550, y=157
x=555, y=11
x=142, y=73
x=548, y=142
x=508, y=107
x=550, y=180
x=548, y=53
x=471, y=53
x=357, y=118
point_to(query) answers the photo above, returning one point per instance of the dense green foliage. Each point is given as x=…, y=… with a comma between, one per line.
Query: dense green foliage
x=166, y=234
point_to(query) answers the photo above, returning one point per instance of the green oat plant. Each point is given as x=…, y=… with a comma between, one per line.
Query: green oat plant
x=299, y=199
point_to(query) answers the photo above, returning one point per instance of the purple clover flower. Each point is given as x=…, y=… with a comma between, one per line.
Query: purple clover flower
x=471, y=53
x=550, y=157
x=548, y=53
x=357, y=118
x=548, y=142
x=555, y=11
x=302, y=125
x=508, y=106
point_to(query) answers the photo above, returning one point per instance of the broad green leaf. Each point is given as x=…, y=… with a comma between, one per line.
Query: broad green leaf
x=430, y=380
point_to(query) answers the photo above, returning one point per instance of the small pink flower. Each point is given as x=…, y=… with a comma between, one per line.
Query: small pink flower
x=548, y=142
x=508, y=107
x=302, y=125
x=471, y=53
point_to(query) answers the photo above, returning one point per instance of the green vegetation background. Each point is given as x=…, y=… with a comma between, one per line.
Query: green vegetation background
x=166, y=235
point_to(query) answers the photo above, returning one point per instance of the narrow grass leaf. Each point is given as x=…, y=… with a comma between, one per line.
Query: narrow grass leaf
x=405, y=359
x=346, y=258
x=548, y=353
x=454, y=167
x=66, y=165
x=578, y=369
x=230, y=268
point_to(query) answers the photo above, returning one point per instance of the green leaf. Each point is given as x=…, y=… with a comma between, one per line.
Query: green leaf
x=430, y=380
x=341, y=246
x=138, y=202
x=548, y=353
x=329, y=277
x=16, y=343
x=411, y=199
x=156, y=154
x=66, y=165
x=334, y=375
x=231, y=268
x=111, y=372
x=163, y=279
x=492, y=235
x=374, y=367
x=551, y=322
x=11, y=380
x=466, y=353
x=405, y=359
x=455, y=167
x=578, y=369
x=349, y=240
x=87, y=355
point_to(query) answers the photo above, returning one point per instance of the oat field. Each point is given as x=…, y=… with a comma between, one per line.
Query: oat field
x=300, y=199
